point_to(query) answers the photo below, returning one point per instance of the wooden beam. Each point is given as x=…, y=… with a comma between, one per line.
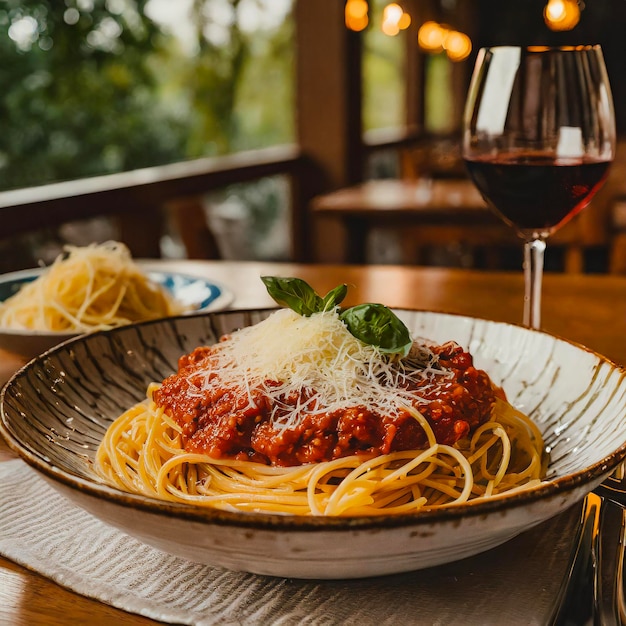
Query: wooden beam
x=328, y=105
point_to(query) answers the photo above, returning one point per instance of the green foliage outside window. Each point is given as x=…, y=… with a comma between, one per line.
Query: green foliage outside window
x=97, y=86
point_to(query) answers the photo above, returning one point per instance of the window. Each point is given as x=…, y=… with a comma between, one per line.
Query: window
x=98, y=86
x=439, y=111
x=93, y=87
x=384, y=84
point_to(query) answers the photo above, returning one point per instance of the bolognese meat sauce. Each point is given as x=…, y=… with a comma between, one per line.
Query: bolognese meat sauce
x=243, y=422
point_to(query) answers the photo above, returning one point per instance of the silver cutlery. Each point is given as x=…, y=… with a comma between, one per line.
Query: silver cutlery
x=608, y=551
x=594, y=588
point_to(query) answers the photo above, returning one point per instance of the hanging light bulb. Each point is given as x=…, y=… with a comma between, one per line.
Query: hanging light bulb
x=457, y=45
x=561, y=14
x=394, y=19
x=430, y=36
x=356, y=15
x=435, y=38
x=405, y=21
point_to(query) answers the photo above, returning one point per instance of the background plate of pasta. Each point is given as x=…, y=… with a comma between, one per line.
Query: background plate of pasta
x=371, y=456
x=94, y=287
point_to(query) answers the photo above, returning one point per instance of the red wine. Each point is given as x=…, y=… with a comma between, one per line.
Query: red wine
x=536, y=192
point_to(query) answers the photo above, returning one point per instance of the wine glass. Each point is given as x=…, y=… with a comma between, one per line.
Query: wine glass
x=538, y=139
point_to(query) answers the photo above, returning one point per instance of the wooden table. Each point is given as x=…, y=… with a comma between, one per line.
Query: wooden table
x=586, y=309
x=425, y=212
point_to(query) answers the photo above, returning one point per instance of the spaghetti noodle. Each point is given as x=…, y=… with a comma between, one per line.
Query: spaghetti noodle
x=95, y=287
x=231, y=433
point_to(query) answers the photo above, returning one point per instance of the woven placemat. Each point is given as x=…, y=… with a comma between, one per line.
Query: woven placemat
x=517, y=583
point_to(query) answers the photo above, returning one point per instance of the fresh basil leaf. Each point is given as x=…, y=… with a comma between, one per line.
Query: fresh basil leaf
x=334, y=297
x=293, y=293
x=377, y=325
x=374, y=324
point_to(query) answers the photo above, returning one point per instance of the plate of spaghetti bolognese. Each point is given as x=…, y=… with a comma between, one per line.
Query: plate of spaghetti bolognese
x=321, y=442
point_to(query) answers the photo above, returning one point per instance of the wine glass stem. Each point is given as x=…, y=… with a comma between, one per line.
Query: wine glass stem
x=533, y=273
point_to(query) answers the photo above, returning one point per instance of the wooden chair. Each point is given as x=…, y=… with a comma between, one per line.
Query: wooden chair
x=188, y=218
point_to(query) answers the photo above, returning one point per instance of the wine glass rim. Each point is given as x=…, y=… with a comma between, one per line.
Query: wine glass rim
x=542, y=48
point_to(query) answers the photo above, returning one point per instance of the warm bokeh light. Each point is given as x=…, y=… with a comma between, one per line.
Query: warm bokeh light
x=394, y=19
x=392, y=12
x=434, y=38
x=356, y=15
x=457, y=45
x=389, y=28
x=356, y=8
x=430, y=36
x=561, y=14
x=558, y=15
x=404, y=22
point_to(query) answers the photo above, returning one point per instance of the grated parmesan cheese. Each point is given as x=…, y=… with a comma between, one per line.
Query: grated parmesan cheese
x=319, y=355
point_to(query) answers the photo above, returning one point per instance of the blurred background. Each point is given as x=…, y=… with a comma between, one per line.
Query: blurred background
x=209, y=128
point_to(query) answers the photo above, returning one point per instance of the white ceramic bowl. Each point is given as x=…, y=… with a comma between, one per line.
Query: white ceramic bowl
x=56, y=409
x=198, y=293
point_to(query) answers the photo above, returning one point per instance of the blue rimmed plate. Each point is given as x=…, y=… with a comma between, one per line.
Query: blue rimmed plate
x=199, y=294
